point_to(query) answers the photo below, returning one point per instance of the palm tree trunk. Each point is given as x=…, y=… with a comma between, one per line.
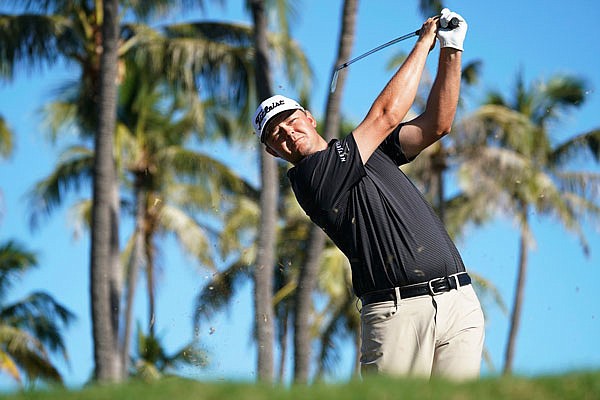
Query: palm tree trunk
x=283, y=339
x=104, y=264
x=132, y=274
x=151, y=284
x=306, y=284
x=308, y=274
x=518, y=301
x=263, y=273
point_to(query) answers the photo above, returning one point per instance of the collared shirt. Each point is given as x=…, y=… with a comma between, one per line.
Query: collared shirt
x=375, y=215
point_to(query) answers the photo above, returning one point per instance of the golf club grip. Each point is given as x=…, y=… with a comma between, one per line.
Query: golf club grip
x=451, y=25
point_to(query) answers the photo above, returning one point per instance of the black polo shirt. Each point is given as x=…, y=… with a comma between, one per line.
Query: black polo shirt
x=375, y=215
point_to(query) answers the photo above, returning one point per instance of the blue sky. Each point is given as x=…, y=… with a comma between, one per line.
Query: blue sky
x=561, y=317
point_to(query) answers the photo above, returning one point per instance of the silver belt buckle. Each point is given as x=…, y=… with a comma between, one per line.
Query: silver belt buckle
x=430, y=286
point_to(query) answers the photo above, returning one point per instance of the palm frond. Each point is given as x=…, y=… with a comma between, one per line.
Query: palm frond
x=41, y=315
x=79, y=217
x=296, y=67
x=576, y=209
x=342, y=322
x=15, y=260
x=225, y=32
x=240, y=224
x=145, y=9
x=509, y=127
x=585, y=185
x=190, y=354
x=429, y=8
x=47, y=6
x=6, y=139
x=33, y=41
x=578, y=147
x=486, y=288
x=61, y=116
x=205, y=170
x=28, y=353
x=193, y=238
x=218, y=292
x=471, y=72
x=74, y=168
x=37, y=366
x=566, y=89
x=494, y=97
x=464, y=209
x=146, y=371
x=8, y=365
x=188, y=55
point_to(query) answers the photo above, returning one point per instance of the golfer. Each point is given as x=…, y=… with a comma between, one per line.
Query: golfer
x=420, y=315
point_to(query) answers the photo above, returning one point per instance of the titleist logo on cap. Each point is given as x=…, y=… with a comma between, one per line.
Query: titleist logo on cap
x=263, y=113
x=268, y=109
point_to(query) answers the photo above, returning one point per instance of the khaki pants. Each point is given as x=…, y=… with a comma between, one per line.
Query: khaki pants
x=424, y=336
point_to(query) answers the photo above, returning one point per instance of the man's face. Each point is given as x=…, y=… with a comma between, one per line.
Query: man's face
x=292, y=135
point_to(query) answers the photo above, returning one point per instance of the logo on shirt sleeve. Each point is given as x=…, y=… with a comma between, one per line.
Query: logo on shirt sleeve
x=342, y=152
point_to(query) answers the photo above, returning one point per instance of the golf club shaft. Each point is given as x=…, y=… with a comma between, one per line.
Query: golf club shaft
x=453, y=24
x=376, y=49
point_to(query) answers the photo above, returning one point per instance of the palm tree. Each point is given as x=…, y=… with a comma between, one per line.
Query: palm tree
x=30, y=328
x=263, y=272
x=218, y=51
x=514, y=167
x=308, y=273
x=152, y=362
x=296, y=69
x=267, y=236
x=241, y=224
x=168, y=181
x=73, y=32
x=105, y=269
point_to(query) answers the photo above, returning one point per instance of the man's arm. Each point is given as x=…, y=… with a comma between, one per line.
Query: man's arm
x=436, y=120
x=392, y=104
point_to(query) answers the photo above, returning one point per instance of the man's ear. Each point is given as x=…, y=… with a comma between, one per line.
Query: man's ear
x=312, y=119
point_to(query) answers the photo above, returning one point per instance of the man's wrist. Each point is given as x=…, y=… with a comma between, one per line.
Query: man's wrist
x=450, y=53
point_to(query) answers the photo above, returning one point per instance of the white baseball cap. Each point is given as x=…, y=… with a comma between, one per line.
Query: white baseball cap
x=270, y=108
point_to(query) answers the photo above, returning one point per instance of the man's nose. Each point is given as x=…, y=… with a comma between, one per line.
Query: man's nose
x=289, y=131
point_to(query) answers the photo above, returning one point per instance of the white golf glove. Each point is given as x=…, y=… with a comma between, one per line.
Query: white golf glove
x=448, y=36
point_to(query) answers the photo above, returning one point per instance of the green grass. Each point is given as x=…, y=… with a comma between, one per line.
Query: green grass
x=585, y=385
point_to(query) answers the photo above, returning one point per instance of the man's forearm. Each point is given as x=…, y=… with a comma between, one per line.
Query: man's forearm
x=397, y=97
x=443, y=97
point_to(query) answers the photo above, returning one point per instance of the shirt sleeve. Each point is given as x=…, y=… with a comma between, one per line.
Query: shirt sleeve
x=392, y=148
x=322, y=180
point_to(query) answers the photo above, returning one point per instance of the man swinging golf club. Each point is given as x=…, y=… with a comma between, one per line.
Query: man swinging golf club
x=420, y=315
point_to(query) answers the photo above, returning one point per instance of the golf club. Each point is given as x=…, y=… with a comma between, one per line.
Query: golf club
x=452, y=24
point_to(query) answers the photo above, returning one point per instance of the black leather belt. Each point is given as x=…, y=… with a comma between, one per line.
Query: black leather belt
x=432, y=287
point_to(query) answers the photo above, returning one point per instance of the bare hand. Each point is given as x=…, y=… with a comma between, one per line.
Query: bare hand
x=427, y=33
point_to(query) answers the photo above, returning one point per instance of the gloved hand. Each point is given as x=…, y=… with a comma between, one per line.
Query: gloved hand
x=448, y=36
